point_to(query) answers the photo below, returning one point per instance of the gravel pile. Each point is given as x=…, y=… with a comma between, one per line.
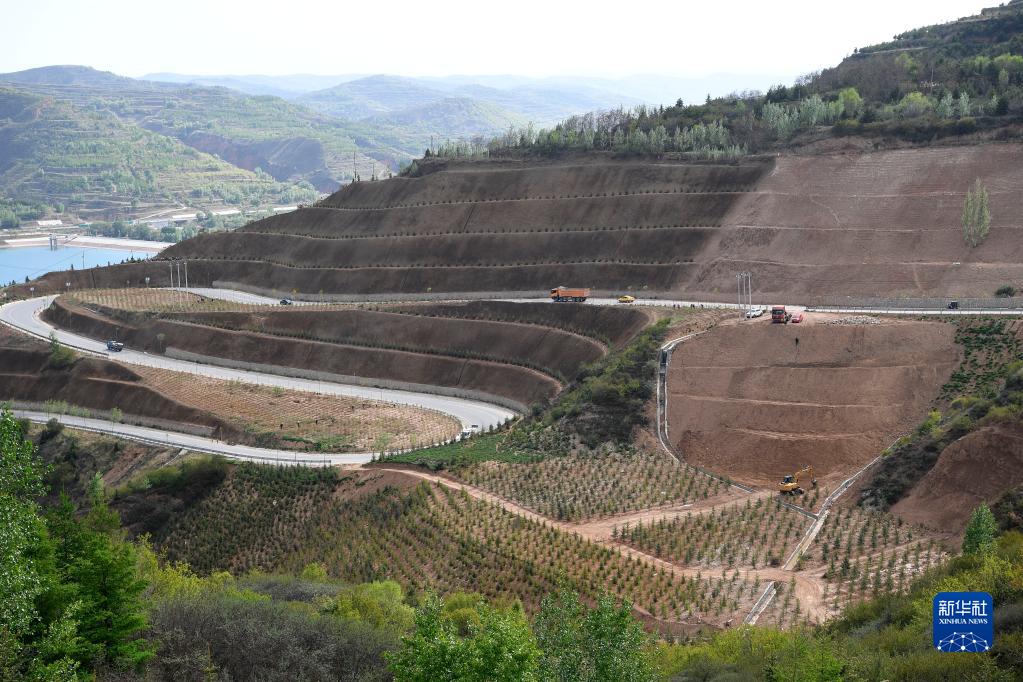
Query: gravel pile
x=854, y=320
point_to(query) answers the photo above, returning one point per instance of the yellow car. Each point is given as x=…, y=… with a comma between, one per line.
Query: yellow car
x=626, y=299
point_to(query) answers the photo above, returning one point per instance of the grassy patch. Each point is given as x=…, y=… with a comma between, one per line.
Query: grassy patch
x=606, y=402
x=491, y=447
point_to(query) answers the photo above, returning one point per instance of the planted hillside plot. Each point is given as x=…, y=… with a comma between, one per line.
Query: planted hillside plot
x=306, y=421
x=748, y=535
x=153, y=300
x=865, y=554
x=369, y=527
x=577, y=487
x=786, y=609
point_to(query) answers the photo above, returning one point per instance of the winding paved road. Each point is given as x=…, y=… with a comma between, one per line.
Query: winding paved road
x=24, y=316
x=175, y=439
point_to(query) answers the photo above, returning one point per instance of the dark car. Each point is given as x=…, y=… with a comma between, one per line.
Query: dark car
x=116, y=346
x=285, y=301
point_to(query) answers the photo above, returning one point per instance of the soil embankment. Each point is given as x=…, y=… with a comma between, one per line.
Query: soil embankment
x=517, y=361
x=756, y=401
x=976, y=469
x=809, y=228
x=26, y=375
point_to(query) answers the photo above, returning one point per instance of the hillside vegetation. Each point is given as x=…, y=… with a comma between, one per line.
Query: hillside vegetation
x=89, y=161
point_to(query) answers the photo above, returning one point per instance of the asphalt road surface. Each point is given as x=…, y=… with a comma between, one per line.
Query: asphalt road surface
x=192, y=443
x=245, y=297
x=24, y=315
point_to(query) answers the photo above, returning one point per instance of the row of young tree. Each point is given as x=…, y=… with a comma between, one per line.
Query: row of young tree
x=645, y=131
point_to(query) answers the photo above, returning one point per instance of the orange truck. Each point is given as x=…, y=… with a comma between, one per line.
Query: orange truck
x=567, y=294
x=780, y=315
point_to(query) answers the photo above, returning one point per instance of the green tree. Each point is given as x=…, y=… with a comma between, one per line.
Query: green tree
x=602, y=644
x=980, y=532
x=915, y=104
x=99, y=569
x=499, y=647
x=976, y=215
x=852, y=103
x=60, y=355
x=36, y=632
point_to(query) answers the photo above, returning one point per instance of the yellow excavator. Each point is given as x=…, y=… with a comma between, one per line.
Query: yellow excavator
x=790, y=484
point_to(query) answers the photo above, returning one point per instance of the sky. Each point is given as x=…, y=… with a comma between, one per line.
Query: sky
x=783, y=38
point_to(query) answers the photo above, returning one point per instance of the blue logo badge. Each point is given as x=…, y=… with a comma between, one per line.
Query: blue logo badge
x=963, y=621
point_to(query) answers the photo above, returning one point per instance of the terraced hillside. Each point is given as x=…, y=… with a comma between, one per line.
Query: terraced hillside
x=502, y=350
x=758, y=401
x=226, y=410
x=866, y=224
x=884, y=223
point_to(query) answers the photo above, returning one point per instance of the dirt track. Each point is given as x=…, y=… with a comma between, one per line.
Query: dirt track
x=809, y=588
x=756, y=401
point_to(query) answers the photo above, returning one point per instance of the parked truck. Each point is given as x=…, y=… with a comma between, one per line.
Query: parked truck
x=567, y=294
x=780, y=315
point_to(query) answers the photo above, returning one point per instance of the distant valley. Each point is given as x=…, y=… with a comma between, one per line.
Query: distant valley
x=94, y=145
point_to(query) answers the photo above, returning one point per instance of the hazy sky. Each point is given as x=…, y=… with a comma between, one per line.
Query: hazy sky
x=444, y=37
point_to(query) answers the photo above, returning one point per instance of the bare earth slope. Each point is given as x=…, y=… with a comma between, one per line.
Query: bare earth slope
x=751, y=402
x=885, y=223
x=976, y=469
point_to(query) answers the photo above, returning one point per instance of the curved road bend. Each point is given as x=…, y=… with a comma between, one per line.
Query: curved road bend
x=192, y=443
x=24, y=315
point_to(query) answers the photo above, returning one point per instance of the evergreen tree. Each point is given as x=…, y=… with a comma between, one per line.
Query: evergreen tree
x=37, y=626
x=97, y=567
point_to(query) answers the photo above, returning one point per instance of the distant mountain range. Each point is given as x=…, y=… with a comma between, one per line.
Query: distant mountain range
x=653, y=89
x=99, y=144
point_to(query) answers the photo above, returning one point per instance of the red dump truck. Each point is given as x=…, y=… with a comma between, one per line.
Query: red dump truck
x=567, y=294
x=780, y=315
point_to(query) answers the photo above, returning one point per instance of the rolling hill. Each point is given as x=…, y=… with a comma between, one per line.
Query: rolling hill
x=377, y=97
x=93, y=163
x=367, y=127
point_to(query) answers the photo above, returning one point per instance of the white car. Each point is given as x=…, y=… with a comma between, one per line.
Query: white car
x=754, y=312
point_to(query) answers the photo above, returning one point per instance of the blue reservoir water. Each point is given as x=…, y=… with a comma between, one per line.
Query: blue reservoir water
x=32, y=261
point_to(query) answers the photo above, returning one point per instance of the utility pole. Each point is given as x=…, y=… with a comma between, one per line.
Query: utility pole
x=170, y=264
x=186, y=274
x=744, y=288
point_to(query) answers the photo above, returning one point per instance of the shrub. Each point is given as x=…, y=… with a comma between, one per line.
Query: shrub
x=61, y=356
x=234, y=638
x=1006, y=292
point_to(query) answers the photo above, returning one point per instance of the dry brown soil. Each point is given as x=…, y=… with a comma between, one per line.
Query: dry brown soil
x=844, y=223
x=978, y=468
x=756, y=400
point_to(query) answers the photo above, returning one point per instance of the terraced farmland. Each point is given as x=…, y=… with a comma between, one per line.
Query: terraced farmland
x=749, y=535
x=481, y=351
x=580, y=487
x=366, y=526
x=814, y=227
x=304, y=421
x=864, y=554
